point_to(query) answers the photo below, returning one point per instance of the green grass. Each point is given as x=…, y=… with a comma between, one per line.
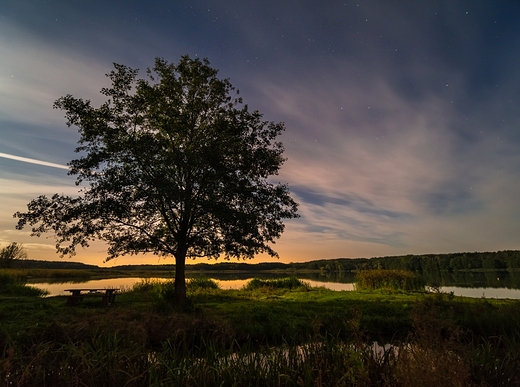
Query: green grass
x=268, y=335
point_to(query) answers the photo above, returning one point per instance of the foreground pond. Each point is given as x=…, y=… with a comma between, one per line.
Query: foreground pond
x=55, y=289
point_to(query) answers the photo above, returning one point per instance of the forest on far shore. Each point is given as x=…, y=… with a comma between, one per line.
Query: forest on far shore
x=499, y=260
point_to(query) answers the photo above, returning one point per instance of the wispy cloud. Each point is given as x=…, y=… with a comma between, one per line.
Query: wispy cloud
x=371, y=168
x=33, y=78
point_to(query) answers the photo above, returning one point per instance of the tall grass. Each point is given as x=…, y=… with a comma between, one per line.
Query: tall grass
x=108, y=359
x=147, y=285
x=10, y=276
x=7, y=280
x=162, y=292
x=161, y=287
x=388, y=279
x=202, y=283
x=13, y=285
x=50, y=274
x=198, y=285
x=56, y=274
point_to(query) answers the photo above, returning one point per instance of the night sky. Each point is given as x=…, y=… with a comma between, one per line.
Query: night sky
x=402, y=118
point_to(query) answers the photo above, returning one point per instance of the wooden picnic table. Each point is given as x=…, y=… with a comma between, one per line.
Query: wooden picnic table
x=76, y=296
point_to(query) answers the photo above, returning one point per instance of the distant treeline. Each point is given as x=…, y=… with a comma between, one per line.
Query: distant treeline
x=509, y=259
x=500, y=260
x=36, y=264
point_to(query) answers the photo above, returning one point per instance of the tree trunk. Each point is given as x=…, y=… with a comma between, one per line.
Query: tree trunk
x=179, y=294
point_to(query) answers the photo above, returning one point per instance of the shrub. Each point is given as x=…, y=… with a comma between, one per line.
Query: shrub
x=388, y=279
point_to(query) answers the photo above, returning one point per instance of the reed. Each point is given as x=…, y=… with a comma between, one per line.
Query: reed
x=11, y=276
x=59, y=273
x=201, y=283
x=279, y=283
x=147, y=285
x=401, y=280
x=158, y=286
x=49, y=274
x=12, y=284
x=110, y=359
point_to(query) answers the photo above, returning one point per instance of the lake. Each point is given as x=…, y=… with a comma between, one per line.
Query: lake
x=468, y=284
x=58, y=288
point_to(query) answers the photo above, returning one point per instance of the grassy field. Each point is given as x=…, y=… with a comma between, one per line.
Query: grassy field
x=271, y=333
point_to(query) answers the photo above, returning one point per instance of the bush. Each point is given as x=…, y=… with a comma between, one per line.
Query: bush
x=388, y=279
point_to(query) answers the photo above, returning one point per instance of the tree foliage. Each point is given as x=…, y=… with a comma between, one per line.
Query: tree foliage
x=171, y=164
x=11, y=253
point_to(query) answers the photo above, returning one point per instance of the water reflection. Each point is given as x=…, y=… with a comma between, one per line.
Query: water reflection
x=491, y=279
x=240, y=283
x=482, y=292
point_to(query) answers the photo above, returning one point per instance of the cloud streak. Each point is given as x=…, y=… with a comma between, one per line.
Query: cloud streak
x=32, y=161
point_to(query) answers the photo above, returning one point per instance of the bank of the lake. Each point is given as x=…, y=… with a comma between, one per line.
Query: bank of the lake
x=489, y=284
x=272, y=336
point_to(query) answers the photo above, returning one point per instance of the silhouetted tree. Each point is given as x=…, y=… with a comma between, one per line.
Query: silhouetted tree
x=12, y=253
x=175, y=166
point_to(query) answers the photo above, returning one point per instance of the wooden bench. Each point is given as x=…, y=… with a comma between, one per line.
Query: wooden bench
x=76, y=296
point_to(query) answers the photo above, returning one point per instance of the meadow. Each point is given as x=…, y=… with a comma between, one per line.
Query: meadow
x=270, y=333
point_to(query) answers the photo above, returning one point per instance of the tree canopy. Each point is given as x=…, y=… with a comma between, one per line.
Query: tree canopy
x=170, y=164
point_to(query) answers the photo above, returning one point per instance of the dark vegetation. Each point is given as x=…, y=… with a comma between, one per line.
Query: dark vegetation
x=278, y=332
x=13, y=285
x=279, y=283
x=508, y=259
x=388, y=280
x=432, y=263
x=499, y=260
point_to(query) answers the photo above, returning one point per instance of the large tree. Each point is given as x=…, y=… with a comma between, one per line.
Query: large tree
x=172, y=164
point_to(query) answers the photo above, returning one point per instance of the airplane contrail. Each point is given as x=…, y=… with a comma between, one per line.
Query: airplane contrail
x=32, y=161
